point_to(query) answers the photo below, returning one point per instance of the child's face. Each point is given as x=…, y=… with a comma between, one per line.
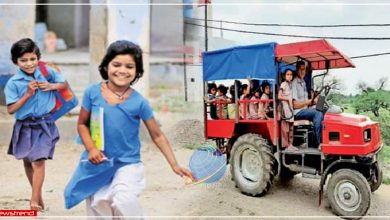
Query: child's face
x=122, y=70
x=267, y=90
x=246, y=91
x=28, y=62
x=289, y=75
x=213, y=91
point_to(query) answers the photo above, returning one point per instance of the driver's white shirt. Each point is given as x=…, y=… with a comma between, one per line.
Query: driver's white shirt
x=299, y=92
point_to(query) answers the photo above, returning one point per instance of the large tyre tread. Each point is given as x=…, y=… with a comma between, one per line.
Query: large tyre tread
x=270, y=163
x=364, y=188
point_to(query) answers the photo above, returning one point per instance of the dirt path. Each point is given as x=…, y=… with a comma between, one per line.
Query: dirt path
x=166, y=195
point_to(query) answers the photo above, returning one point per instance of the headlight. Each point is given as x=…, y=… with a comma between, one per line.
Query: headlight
x=367, y=135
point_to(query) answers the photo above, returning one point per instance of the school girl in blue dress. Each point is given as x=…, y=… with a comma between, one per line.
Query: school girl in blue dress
x=111, y=180
x=30, y=95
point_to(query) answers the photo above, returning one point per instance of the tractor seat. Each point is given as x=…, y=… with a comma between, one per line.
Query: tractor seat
x=302, y=122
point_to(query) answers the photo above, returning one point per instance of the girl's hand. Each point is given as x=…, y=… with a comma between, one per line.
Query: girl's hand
x=32, y=86
x=95, y=156
x=182, y=172
x=45, y=86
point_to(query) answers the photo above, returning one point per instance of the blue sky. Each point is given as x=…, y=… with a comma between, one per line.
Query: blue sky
x=329, y=12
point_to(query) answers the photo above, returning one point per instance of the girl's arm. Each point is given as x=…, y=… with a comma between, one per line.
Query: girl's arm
x=162, y=143
x=46, y=86
x=32, y=86
x=282, y=97
x=94, y=155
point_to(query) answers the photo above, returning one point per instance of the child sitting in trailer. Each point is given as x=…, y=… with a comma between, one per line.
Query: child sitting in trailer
x=245, y=91
x=210, y=99
x=254, y=106
x=222, y=109
x=264, y=111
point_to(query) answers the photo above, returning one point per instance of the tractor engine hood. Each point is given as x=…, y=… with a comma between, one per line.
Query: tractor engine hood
x=347, y=119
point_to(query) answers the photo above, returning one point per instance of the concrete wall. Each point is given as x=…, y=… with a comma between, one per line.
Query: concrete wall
x=13, y=28
x=61, y=19
x=81, y=25
x=16, y=22
x=70, y=22
x=167, y=27
x=132, y=22
x=97, y=38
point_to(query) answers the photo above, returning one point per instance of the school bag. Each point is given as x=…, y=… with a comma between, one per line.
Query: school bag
x=66, y=100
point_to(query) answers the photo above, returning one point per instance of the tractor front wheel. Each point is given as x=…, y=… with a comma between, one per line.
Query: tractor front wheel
x=253, y=164
x=349, y=193
x=376, y=180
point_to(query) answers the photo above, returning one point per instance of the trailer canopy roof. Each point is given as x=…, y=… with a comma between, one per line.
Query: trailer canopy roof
x=261, y=61
x=254, y=61
x=316, y=52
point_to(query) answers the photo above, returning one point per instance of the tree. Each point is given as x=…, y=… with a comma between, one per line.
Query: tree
x=382, y=83
x=372, y=99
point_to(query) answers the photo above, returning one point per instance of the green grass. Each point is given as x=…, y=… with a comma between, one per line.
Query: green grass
x=386, y=180
x=194, y=146
x=385, y=154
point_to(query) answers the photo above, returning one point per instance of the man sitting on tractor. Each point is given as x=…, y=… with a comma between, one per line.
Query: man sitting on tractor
x=301, y=102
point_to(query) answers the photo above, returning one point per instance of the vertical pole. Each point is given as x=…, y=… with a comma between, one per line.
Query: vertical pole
x=185, y=63
x=204, y=83
x=205, y=28
x=276, y=136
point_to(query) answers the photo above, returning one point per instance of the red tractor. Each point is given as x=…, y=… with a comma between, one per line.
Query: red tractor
x=346, y=160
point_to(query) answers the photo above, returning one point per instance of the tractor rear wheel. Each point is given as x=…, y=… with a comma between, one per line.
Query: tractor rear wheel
x=349, y=193
x=253, y=165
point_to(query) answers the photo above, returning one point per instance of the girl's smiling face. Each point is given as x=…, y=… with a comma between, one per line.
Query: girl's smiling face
x=122, y=70
x=28, y=62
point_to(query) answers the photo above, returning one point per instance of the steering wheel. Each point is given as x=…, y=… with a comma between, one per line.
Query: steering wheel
x=321, y=104
x=326, y=90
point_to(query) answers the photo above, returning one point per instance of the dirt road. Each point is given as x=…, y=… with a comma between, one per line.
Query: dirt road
x=166, y=195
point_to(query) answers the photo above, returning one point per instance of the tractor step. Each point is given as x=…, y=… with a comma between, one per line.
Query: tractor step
x=300, y=151
x=311, y=176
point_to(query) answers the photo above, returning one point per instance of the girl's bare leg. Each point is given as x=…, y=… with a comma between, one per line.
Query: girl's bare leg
x=37, y=183
x=29, y=170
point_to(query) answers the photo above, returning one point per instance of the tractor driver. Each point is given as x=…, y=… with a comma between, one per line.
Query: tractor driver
x=301, y=102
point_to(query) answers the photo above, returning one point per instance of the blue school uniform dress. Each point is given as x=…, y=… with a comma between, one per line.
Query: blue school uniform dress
x=121, y=143
x=35, y=134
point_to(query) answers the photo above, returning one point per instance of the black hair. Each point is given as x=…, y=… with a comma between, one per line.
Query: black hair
x=243, y=87
x=223, y=89
x=264, y=84
x=122, y=47
x=232, y=92
x=300, y=63
x=211, y=86
x=22, y=46
x=258, y=89
x=292, y=71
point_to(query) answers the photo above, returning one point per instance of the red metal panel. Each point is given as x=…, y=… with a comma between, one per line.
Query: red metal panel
x=265, y=128
x=220, y=128
x=316, y=52
x=351, y=140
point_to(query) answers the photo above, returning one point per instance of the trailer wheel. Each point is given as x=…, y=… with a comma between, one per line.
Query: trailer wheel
x=253, y=164
x=376, y=182
x=349, y=193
